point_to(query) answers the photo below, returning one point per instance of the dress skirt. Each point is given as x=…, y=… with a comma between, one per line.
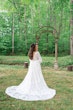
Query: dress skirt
x=33, y=87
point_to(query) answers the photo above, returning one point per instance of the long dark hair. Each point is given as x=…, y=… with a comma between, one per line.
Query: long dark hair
x=31, y=50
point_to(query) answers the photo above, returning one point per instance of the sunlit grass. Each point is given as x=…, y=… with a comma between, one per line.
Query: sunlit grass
x=12, y=72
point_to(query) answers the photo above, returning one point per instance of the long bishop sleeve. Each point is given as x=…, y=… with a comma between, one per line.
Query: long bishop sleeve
x=39, y=57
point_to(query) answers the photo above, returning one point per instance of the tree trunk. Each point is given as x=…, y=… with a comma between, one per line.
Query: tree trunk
x=71, y=29
x=25, y=27
x=13, y=33
x=56, y=54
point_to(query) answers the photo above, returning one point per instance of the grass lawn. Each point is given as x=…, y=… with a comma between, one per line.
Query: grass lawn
x=61, y=80
x=47, y=61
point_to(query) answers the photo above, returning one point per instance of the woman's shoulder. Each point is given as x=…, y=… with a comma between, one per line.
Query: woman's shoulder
x=37, y=52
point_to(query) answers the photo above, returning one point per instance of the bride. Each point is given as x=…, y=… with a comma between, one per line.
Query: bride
x=33, y=87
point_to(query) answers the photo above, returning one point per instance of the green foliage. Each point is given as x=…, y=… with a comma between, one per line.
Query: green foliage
x=5, y=46
x=29, y=16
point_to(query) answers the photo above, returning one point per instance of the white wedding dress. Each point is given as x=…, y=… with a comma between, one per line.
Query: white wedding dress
x=33, y=87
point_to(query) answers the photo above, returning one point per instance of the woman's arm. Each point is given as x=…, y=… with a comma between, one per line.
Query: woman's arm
x=39, y=57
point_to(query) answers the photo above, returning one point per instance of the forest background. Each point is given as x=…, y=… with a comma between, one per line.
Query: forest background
x=20, y=21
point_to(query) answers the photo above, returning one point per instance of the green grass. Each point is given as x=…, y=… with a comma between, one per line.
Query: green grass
x=61, y=80
x=47, y=61
x=13, y=59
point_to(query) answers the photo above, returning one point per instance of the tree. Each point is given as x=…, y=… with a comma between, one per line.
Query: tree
x=29, y=16
x=13, y=33
x=71, y=29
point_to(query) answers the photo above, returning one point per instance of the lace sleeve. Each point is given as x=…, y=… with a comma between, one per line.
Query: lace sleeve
x=39, y=57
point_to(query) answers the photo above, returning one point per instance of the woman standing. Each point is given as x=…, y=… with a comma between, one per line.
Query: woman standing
x=33, y=87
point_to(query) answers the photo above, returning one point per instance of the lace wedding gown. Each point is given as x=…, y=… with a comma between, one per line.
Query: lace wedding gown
x=33, y=87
